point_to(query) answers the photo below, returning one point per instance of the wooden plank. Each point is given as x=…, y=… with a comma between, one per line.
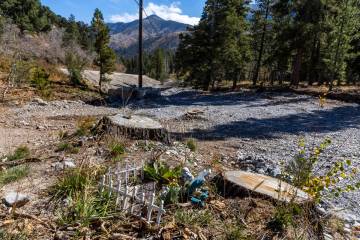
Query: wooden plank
x=268, y=186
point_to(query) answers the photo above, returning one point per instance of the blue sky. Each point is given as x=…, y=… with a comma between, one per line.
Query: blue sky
x=186, y=11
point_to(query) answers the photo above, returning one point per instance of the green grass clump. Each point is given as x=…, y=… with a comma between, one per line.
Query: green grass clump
x=116, y=149
x=191, y=144
x=19, y=153
x=12, y=236
x=85, y=201
x=235, y=232
x=85, y=126
x=73, y=181
x=13, y=174
x=67, y=147
x=193, y=217
x=63, y=134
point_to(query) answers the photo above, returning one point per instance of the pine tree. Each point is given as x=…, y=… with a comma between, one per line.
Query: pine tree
x=260, y=27
x=29, y=15
x=106, y=57
x=345, y=24
x=158, y=65
x=217, y=48
x=71, y=34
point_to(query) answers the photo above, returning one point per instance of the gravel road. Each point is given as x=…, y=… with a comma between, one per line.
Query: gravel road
x=265, y=126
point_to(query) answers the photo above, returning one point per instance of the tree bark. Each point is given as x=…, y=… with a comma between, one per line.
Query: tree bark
x=295, y=78
x=259, y=60
x=134, y=127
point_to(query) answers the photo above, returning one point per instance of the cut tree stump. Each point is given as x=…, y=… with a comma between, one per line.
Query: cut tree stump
x=134, y=127
x=240, y=182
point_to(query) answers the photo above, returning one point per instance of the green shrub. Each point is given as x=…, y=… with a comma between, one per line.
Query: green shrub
x=191, y=144
x=39, y=78
x=304, y=173
x=75, y=66
x=284, y=216
x=19, y=153
x=13, y=174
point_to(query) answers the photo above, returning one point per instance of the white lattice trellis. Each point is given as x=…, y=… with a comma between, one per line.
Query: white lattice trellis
x=132, y=195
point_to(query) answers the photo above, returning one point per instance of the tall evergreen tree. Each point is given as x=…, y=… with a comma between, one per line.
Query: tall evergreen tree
x=158, y=65
x=106, y=57
x=345, y=25
x=261, y=18
x=217, y=48
x=71, y=34
x=29, y=15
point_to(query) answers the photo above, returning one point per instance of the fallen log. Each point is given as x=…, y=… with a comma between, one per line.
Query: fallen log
x=134, y=127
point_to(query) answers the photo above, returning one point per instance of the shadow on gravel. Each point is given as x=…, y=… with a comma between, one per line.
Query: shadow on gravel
x=196, y=98
x=321, y=121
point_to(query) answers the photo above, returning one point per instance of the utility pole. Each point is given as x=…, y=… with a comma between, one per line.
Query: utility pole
x=140, y=62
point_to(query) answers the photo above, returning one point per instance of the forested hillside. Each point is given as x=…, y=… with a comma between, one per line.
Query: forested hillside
x=281, y=42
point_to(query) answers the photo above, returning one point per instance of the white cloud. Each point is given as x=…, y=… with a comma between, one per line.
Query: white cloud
x=126, y=17
x=168, y=12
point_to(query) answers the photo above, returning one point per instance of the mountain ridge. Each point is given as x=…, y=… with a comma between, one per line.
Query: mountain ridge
x=158, y=33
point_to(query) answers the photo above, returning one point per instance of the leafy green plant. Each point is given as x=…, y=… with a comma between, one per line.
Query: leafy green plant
x=193, y=217
x=173, y=195
x=13, y=174
x=162, y=173
x=191, y=144
x=19, y=153
x=304, y=172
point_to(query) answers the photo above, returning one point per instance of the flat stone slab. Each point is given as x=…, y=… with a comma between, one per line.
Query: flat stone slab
x=268, y=186
x=17, y=199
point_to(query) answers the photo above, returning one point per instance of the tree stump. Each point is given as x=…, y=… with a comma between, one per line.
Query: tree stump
x=134, y=127
x=247, y=183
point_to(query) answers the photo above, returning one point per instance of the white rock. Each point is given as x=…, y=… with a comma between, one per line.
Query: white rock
x=67, y=163
x=16, y=199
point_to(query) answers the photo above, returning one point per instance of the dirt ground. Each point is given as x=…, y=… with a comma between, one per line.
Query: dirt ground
x=228, y=128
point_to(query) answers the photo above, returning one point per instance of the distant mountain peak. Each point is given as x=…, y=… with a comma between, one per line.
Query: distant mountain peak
x=158, y=33
x=154, y=17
